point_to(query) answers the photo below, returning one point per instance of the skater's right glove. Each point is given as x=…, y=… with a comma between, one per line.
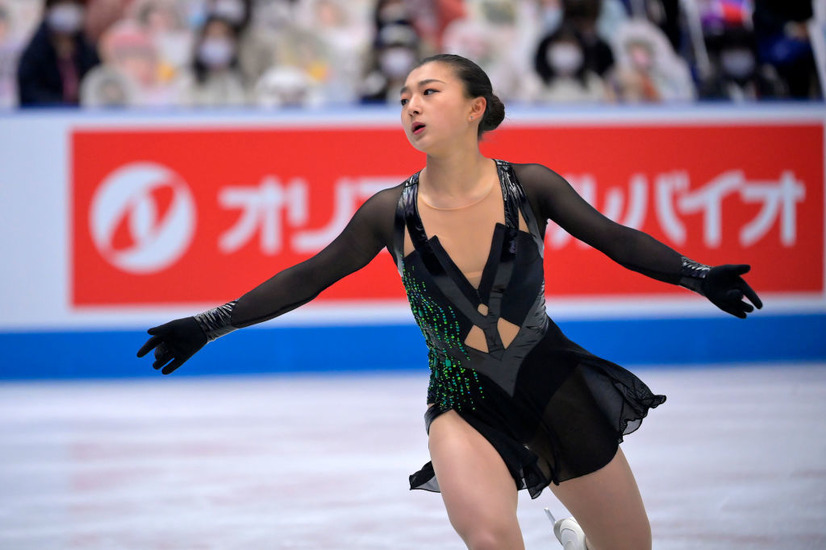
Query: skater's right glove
x=175, y=342
x=723, y=285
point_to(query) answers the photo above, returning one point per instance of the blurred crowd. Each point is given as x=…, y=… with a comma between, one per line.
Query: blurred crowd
x=276, y=53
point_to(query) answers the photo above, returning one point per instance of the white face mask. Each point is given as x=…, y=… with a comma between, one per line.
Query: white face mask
x=565, y=59
x=738, y=63
x=396, y=62
x=65, y=18
x=216, y=52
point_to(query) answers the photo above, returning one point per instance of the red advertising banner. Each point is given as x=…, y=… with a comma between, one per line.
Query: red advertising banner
x=172, y=216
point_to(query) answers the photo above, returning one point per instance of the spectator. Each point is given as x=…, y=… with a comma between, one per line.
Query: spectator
x=215, y=78
x=342, y=38
x=128, y=49
x=783, y=42
x=560, y=64
x=305, y=49
x=647, y=69
x=286, y=86
x=665, y=14
x=735, y=73
x=57, y=57
x=391, y=13
x=432, y=17
x=397, y=52
x=583, y=16
x=164, y=23
x=494, y=41
x=105, y=87
x=258, y=44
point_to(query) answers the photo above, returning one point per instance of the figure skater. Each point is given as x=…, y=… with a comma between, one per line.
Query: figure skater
x=512, y=403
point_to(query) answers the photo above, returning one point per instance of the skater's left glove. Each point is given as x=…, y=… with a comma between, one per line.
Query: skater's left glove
x=723, y=285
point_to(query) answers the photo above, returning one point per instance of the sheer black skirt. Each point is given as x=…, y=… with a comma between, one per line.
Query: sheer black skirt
x=567, y=417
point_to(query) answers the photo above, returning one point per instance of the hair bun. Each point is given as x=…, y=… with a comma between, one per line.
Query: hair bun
x=494, y=114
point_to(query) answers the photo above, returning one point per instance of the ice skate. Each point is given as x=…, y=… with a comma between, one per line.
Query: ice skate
x=568, y=532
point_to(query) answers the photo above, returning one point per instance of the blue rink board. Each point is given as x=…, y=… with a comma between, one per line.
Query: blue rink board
x=634, y=342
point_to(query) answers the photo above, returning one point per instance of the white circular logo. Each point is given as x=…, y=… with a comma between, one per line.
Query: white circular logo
x=142, y=217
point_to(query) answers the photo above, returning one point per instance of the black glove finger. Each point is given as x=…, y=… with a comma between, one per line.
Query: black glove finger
x=740, y=269
x=159, y=330
x=147, y=347
x=162, y=356
x=731, y=303
x=158, y=364
x=752, y=295
x=734, y=310
x=171, y=367
x=735, y=303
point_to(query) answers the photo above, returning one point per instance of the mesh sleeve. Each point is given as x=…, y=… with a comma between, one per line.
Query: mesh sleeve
x=368, y=232
x=553, y=198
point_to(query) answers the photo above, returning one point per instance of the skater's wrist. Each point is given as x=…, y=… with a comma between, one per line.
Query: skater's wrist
x=217, y=321
x=693, y=275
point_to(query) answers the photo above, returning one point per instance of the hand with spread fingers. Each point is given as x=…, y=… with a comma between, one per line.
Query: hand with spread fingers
x=174, y=343
x=725, y=287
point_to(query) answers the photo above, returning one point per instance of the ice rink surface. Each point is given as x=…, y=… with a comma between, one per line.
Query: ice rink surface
x=735, y=459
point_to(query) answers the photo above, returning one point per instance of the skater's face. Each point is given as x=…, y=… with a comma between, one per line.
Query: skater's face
x=436, y=108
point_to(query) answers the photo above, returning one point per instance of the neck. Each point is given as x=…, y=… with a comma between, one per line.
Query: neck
x=457, y=174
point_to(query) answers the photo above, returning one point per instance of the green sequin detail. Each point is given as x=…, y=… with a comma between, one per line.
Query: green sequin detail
x=452, y=385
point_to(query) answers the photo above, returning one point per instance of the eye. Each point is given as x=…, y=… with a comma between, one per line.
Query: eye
x=404, y=101
x=428, y=91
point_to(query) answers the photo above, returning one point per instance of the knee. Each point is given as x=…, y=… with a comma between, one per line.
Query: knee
x=637, y=539
x=487, y=538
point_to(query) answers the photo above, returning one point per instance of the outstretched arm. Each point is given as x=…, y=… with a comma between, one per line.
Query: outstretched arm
x=553, y=198
x=369, y=231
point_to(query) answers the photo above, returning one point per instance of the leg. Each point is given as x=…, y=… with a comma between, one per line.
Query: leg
x=478, y=491
x=608, y=506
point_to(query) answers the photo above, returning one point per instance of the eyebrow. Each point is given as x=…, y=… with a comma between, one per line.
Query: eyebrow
x=424, y=82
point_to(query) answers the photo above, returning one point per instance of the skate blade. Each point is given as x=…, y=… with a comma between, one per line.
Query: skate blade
x=550, y=516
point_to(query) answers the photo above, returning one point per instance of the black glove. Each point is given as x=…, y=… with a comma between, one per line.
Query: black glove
x=177, y=341
x=174, y=343
x=725, y=288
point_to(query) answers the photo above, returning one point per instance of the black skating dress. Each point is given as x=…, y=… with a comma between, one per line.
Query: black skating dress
x=550, y=408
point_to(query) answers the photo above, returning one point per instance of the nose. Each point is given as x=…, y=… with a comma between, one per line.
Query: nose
x=414, y=105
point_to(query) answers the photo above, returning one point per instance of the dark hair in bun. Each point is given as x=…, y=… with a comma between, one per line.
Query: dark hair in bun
x=477, y=84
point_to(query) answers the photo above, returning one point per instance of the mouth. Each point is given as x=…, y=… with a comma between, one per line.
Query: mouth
x=417, y=127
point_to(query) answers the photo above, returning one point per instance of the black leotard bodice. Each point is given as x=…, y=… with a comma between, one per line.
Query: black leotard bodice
x=446, y=306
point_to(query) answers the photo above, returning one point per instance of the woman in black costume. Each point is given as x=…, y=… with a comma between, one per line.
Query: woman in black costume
x=513, y=404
